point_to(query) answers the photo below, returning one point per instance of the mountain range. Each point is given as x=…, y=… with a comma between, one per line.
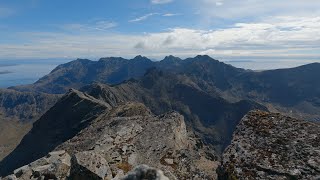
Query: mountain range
x=211, y=96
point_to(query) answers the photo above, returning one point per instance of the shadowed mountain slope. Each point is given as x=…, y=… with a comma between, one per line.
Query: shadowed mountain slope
x=17, y=111
x=210, y=115
x=67, y=117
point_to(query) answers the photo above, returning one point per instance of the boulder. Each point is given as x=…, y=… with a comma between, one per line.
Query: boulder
x=273, y=146
x=90, y=165
x=56, y=165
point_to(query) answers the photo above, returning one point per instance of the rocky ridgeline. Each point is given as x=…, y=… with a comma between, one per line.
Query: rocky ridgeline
x=115, y=144
x=82, y=165
x=272, y=146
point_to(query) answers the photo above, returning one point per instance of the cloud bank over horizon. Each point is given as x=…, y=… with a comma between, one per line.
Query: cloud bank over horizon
x=220, y=28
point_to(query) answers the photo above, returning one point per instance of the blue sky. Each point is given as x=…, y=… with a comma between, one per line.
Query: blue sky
x=225, y=29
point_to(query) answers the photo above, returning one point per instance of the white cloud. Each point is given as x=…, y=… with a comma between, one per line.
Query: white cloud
x=161, y=1
x=277, y=37
x=219, y=3
x=171, y=14
x=145, y=17
x=232, y=9
x=142, y=18
x=95, y=26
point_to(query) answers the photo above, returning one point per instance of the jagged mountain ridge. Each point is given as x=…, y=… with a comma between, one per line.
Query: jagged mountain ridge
x=115, y=70
x=293, y=91
x=211, y=95
x=78, y=73
x=81, y=121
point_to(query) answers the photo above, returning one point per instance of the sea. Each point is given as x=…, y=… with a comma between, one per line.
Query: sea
x=20, y=72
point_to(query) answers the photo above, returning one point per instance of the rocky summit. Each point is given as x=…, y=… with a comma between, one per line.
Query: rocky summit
x=272, y=146
x=117, y=142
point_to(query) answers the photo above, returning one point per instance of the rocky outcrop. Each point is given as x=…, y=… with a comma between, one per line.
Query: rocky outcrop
x=89, y=165
x=125, y=137
x=56, y=165
x=272, y=146
x=82, y=166
x=128, y=138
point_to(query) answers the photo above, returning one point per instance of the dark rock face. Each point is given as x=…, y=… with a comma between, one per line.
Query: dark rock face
x=272, y=146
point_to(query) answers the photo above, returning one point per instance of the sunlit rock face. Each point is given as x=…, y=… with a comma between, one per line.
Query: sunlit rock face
x=272, y=146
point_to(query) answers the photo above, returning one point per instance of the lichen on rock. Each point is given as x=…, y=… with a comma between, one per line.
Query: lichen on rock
x=272, y=146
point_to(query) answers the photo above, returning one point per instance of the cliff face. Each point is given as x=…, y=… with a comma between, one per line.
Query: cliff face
x=129, y=135
x=272, y=146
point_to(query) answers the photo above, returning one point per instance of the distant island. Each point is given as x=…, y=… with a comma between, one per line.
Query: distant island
x=5, y=72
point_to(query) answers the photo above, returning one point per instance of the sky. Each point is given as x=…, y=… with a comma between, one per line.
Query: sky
x=226, y=29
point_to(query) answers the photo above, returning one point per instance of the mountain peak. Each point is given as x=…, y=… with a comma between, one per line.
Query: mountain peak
x=171, y=58
x=139, y=58
x=203, y=57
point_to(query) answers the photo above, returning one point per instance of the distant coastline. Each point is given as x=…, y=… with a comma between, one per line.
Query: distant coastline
x=6, y=65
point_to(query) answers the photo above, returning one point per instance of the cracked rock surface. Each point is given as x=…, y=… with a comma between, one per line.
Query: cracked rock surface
x=272, y=146
x=130, y=135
